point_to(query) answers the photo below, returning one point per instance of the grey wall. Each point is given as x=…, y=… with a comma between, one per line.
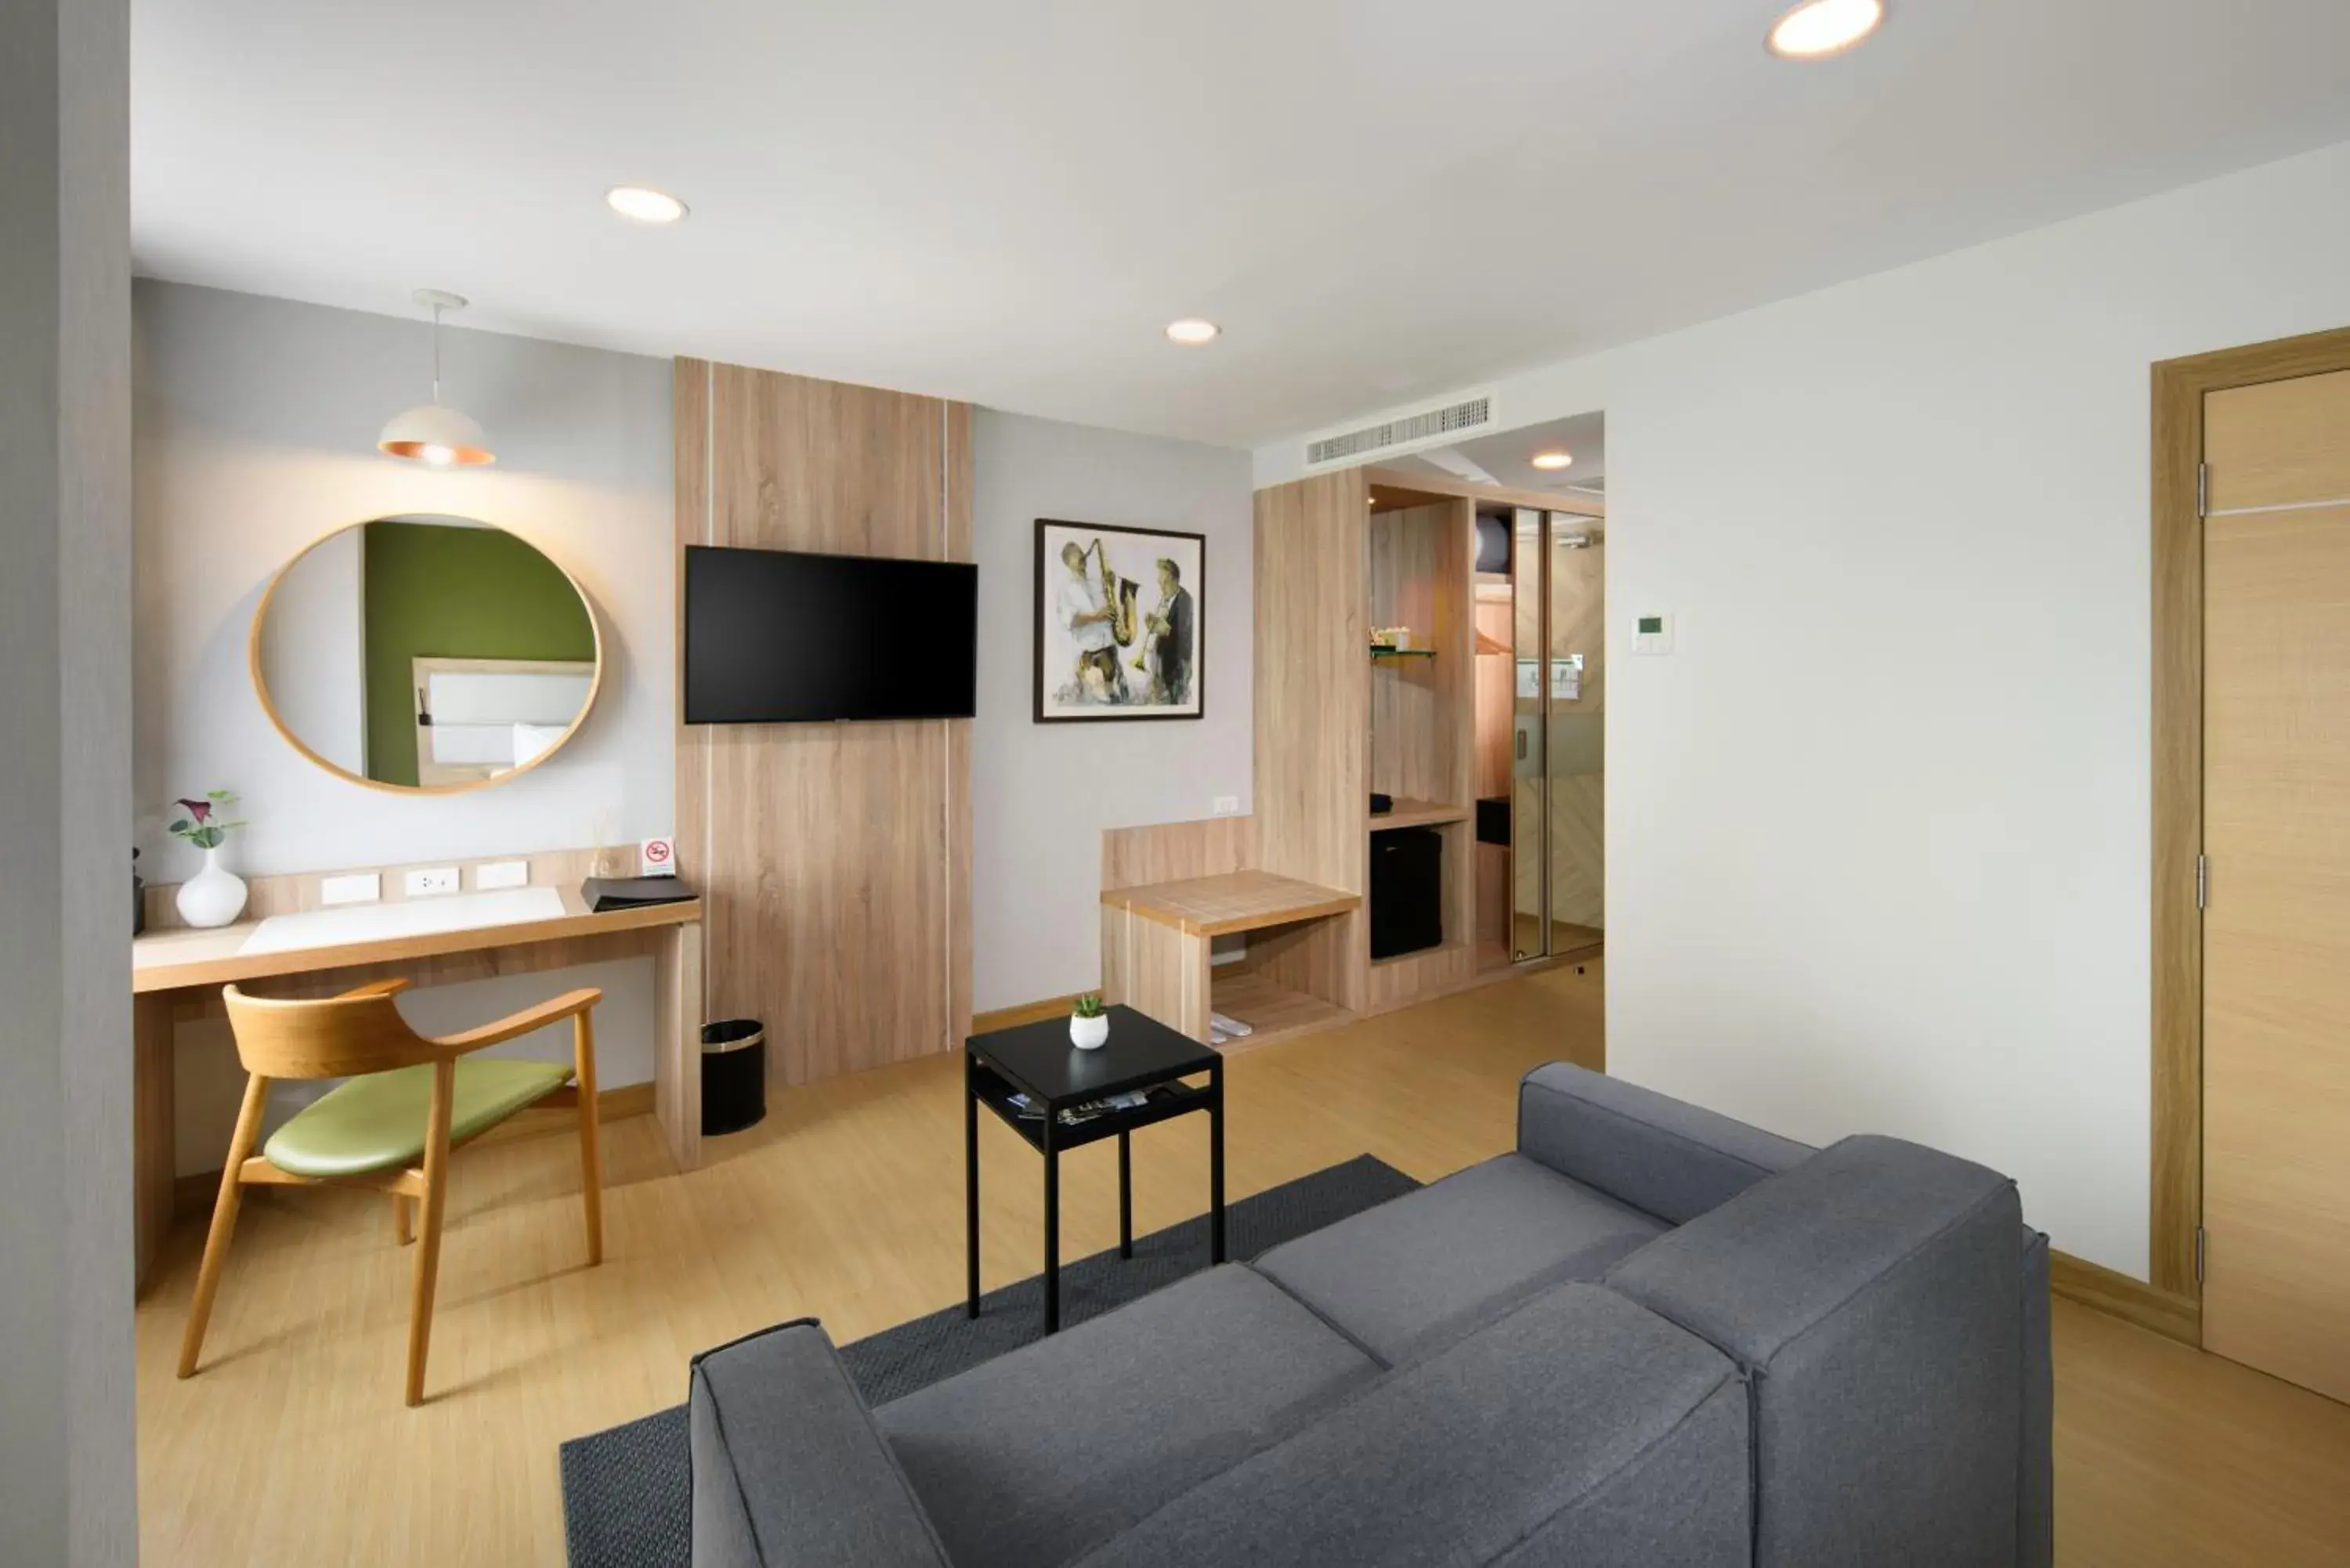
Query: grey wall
x=257, y=427
x=67, y=1480
x=1041, y=793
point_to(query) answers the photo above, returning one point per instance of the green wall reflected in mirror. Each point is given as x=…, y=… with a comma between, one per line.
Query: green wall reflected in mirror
x=425, y=653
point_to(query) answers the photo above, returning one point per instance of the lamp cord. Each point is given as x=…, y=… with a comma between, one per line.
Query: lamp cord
x=436, y=354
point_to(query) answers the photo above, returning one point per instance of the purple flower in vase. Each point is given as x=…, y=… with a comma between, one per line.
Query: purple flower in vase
x=202, y=828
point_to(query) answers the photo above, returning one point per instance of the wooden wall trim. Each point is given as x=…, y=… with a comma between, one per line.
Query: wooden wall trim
x=2180, y=386
x=2171, y=1314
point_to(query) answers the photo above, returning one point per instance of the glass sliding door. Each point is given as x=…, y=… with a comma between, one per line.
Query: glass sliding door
x=1557, y=786
x=1529, y=741
x=1577, y=759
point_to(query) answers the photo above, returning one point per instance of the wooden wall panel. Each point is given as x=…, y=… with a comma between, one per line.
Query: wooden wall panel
x=1177, y=851
x=835, y=859
x=1313, y=694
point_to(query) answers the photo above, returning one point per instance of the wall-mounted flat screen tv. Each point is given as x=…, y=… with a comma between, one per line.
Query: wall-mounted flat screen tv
x=776, y=637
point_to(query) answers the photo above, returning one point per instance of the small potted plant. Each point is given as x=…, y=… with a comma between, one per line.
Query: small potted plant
x=216, y=895
x=1088, y=1022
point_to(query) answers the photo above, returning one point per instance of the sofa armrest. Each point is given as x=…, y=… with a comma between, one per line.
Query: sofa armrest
x=1661, y=1156
x=789, y=1467
x=1875, y=1293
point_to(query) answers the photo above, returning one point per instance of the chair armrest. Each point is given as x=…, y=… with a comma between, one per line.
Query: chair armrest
x=391, y=985
x=519, y=1024
x=789, y=1467
x=1662, y=1156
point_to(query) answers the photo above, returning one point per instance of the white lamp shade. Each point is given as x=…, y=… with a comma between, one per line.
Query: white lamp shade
x=437, y=436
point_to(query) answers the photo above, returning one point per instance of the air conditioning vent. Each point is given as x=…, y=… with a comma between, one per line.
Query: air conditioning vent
x=1422, y=427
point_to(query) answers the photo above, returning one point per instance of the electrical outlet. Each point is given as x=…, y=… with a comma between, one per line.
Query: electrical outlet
x=501, y=873
x=425, y=884
x=1227, y=805
x=359, y=887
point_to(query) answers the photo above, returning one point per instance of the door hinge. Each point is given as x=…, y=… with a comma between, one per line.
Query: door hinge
x=2199, y=1254
x=2202, y=883
x=2202, y=490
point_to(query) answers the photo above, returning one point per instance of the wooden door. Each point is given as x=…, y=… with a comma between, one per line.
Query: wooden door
x=2276, y=835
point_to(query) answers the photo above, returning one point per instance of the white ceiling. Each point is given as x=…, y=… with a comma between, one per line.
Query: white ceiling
x=1507, y=459
x=1005, y=199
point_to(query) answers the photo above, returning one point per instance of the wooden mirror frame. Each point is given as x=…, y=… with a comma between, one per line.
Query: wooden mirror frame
x=277, y=721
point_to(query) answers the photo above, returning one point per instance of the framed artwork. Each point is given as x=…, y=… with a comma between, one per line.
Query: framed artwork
x=1119, y=632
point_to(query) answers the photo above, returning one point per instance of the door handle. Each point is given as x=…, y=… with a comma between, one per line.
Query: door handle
x=1522, y=745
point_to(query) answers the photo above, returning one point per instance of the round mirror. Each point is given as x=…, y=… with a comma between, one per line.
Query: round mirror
x=425, y=653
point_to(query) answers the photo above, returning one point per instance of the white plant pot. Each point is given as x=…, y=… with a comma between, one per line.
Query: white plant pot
x=1088, y=1033
x=213, y=896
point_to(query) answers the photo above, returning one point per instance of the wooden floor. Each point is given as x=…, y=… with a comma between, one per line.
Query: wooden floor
x=292, y=1446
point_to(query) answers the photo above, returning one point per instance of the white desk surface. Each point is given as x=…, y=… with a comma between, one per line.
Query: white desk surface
x=378, y=933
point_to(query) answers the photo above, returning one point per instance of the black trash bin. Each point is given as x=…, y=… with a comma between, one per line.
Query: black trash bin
x=734, y=1076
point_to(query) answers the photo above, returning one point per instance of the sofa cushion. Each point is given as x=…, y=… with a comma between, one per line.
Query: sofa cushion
x=1038, y=1455
x=1576, y=1429
x=1416, y=1273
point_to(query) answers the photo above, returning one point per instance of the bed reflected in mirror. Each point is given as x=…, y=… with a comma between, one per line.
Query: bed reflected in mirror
x=425, y=653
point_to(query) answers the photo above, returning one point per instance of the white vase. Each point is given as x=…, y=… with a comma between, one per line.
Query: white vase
x=213, y=896
x=1088, y=1033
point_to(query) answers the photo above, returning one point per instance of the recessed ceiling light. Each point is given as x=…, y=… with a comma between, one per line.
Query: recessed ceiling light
x=1192, y=332
x=644, y=204
x=1818, y=28
x=1552, y=460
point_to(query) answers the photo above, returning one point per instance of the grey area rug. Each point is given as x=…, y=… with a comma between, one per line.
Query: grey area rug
x=627, y=1493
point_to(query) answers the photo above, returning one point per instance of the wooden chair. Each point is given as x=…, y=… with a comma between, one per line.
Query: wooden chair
x=411, y=1100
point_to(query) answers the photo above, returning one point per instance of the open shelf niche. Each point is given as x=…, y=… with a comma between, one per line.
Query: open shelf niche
x=1420, y=559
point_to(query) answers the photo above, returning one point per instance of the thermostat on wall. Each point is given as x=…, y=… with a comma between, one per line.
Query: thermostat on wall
x=1652, y=632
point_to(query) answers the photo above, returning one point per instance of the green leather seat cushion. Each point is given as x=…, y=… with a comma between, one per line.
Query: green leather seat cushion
x=377, y=1123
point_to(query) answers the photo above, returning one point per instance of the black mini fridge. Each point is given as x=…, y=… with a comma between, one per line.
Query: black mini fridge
x=1407, y=890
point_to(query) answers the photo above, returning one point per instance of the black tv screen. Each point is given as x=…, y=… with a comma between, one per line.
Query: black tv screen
x=779, y=637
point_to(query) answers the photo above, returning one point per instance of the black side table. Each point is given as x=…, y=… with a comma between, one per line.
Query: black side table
x=1037, y=1060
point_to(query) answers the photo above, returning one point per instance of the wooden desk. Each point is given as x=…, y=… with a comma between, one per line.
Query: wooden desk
x=1157, y=941
x=179, y=973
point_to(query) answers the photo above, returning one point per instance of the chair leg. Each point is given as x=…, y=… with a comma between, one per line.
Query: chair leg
x=401, y=1232
x=224, y=1227
x=592, y=1164
x=428, y=1250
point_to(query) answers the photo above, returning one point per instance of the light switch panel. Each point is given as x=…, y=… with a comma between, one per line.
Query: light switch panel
x=501, y=873
x=359, y=887
x=427, y=883
x=1227, y=805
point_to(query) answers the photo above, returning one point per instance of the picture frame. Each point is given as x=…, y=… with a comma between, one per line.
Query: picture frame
x=1119, y=637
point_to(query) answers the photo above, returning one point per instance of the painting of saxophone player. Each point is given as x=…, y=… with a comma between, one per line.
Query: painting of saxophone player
x=1118, y=622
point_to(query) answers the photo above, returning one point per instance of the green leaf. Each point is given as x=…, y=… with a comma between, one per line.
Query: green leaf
x=181, y=827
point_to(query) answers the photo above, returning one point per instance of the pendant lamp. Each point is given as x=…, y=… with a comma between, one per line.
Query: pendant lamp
x=433, y=434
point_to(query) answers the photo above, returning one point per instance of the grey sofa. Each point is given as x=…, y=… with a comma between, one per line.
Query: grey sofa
x=1650, y=1336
